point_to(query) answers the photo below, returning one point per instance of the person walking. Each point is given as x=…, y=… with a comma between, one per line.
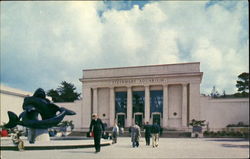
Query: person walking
x=17, y=141
x=147, y=129
x=135, y=135
x=97, y=128
x=121, y=130
x=155, y=130
x=115, y=132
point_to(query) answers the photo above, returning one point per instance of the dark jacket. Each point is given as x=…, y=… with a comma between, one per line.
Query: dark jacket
x=147, y=130
x=155, y=129
x=96, y=125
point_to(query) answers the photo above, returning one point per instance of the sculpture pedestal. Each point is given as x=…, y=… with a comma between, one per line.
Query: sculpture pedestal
x=196, y=134
x=38, y=135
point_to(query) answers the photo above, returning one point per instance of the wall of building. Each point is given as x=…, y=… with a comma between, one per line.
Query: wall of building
x=179, y=83
x=11, y=100
x=142, y=70
x=218, y=112
x=78, y=118
x=221, y=112
x=86, y=107
x=103, y=104
x=174, y=106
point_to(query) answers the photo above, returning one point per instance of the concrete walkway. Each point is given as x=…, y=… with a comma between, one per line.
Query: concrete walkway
x=168, y=148
x=70, y=143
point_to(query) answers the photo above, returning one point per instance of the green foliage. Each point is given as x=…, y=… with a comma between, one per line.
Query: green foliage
x=64, y=93
x=243, y=88
x=233, y=130
x=243, y=85
x=66, y=124
x=240, y=124
x=197, y=122
x=226, y=134
x=54, y=95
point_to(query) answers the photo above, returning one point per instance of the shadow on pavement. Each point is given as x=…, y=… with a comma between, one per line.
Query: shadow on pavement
x=123, y=146
x=80, y=151
x=228, y=140
x=235, y=146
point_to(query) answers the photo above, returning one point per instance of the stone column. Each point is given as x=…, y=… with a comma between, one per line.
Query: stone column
x=194, y=101
x=184, y=105
x=165, y=106
x=129, y=106
x=86, y=109
x=95, y=101
x=147, y=104
x=112, y=107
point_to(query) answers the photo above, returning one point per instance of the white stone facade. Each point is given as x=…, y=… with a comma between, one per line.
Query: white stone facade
x=221, y=112
x=11, y=100
x=180, y=84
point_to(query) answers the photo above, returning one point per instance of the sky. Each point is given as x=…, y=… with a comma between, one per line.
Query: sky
x=45, y=43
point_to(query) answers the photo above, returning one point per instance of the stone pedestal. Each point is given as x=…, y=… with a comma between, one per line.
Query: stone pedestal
x=196, y=134
x=197, y=131
x=38, y=135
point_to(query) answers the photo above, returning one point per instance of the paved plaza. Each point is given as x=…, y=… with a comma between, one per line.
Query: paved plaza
x=168, y=148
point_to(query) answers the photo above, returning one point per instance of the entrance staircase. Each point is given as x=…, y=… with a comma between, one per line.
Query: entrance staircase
x=165, y=133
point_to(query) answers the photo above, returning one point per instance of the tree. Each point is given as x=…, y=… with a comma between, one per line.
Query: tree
x=243, y=82
x=54, y=95
x=64, y=93
x=243, y=85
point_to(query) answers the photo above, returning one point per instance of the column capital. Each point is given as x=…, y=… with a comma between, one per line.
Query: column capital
x=165, y=85
x=129, y=87
x=184, y=84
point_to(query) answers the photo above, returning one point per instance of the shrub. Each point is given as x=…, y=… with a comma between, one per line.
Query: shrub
x=238, y=134
x=246, y=134
x=223, y=133
x=226, y=134
x=197, y=122
x=239, y=124
x=206, y=133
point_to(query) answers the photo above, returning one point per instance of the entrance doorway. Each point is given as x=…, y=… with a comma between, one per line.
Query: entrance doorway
x=121, y=120
x=157, y=118
x=138, y=119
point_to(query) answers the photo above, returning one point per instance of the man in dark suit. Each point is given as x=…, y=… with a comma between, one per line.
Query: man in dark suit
x=97, y=127
x=155, y=130
x=147, y=129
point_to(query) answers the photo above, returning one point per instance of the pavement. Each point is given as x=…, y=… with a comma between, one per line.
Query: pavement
x=54, y=143
x=168, y=148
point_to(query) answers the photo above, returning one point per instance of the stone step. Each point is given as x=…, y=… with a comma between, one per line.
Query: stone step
x=168, y=134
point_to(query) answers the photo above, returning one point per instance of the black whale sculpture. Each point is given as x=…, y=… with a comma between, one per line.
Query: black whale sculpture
x=50, y=113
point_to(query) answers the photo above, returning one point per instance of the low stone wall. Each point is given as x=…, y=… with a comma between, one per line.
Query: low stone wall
x=236, y=129
x=219, y=113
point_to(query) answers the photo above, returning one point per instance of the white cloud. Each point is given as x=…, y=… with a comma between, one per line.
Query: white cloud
x=54, y=41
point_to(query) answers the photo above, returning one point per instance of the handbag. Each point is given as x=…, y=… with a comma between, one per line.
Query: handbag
x=91, y=134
